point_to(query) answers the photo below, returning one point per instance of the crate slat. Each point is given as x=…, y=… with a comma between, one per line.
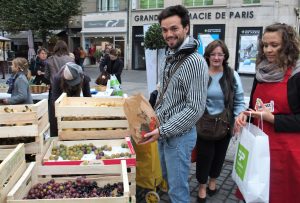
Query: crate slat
x=93, y=134
x=11, y=169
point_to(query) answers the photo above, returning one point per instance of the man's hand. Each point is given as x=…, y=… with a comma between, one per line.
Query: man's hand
x=151, y=136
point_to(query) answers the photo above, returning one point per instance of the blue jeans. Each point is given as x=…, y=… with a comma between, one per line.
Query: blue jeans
x=175, y=158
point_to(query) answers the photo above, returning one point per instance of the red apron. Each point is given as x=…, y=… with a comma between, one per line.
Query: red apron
x=284, y=147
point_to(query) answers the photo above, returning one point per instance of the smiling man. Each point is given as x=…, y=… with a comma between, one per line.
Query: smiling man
x=181, y=101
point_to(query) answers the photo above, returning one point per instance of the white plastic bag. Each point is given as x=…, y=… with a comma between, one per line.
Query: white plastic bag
x=115, y=85
x=251, y=169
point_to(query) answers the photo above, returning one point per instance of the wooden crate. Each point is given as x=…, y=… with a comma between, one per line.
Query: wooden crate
x=90, y=118
x=11, y=169
x=67, y=170
x=30, y=124
x=33, y=176
x=116, y=143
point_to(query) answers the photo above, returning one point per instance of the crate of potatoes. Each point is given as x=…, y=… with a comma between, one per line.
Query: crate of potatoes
x=11, y=169
x=90, y=118
x=24, y=124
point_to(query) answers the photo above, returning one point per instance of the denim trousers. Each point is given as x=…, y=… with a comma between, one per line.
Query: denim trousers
x=175, y=158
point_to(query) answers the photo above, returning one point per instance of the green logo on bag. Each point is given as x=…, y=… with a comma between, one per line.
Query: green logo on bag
x=241, y=161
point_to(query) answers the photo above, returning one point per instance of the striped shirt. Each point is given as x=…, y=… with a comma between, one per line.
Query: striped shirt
x=184, y=101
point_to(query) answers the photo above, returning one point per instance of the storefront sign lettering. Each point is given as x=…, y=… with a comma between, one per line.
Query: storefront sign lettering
x=204, y=16
x=145, y=18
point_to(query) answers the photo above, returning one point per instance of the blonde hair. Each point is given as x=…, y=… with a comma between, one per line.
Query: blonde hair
x=21, y=63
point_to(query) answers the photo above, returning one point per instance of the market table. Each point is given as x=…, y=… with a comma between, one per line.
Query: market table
x=44, y=95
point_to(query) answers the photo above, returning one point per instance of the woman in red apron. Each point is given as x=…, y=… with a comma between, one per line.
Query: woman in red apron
x=276, y=96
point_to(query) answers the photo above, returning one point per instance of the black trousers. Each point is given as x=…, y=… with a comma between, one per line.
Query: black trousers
x=210, y=158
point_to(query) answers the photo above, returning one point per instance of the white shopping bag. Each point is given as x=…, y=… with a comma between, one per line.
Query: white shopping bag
x=251, y=169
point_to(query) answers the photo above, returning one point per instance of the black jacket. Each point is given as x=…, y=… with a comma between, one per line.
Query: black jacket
x=35, y=66
x=290, y=122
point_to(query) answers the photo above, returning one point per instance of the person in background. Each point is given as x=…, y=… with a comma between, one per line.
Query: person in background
x=105, y=58
x=19, y=85
x=38, y=67
x=275, y=96
x=59, y=58
x=224, y=90
x=3, y=62
x=55, y=62
x=92, y=50
x=76, y=53
x=181, y=103
x=115, y=65
x=71, y=80
x=82, y=56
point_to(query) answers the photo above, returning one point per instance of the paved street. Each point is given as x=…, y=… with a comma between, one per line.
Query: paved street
x=135, y=82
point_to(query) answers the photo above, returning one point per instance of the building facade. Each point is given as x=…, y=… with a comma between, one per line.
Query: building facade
x=239, y=23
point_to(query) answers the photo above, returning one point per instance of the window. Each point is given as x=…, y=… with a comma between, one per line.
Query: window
x=109, y=5
x=198, y=2
x=144, y=4
x=251, y=1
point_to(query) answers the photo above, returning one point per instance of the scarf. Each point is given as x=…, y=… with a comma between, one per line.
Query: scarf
x=269, y=72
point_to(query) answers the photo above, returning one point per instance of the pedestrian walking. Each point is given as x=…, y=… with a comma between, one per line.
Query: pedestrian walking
x=181, y=101
x=275, y=97
x=225, y=100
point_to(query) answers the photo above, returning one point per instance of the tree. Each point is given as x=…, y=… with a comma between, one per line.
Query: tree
x=37, y=15
x=153, y=38
x=154, y=41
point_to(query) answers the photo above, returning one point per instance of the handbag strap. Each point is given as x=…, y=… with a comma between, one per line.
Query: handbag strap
x=164, y=89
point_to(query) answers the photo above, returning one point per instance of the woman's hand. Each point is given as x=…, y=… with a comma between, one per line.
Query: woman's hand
x=262, y=112
x=240, y=122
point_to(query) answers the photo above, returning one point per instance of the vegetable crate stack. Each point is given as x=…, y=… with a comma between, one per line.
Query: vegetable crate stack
x=93, y=133
x=34, y=187
x=90, y=118
x=27, y=124
x=12, y=167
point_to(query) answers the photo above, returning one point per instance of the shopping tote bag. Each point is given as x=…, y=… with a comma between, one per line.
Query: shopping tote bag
x=251, y=169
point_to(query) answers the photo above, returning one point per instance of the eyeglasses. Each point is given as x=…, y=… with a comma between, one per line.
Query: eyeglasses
x=216, y=54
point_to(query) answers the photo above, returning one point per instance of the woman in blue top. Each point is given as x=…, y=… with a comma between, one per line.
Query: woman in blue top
x=224, y=87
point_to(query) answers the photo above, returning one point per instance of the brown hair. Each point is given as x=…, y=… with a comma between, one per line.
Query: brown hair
x=289, y=52
x=210, y=48
x=61, y=48
x=115, y=52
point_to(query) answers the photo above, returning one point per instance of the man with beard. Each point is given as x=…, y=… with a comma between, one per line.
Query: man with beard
x=181, y=101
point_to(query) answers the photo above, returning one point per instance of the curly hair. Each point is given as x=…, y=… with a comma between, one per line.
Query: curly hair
x=290, y=47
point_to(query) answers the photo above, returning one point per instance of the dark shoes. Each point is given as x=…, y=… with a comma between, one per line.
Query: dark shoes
x=211, y=192
x=201, y=200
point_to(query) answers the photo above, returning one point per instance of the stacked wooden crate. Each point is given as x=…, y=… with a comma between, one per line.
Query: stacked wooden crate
x=90, y=118
x=22, y=122
x=100, y=121
x=11, y=169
